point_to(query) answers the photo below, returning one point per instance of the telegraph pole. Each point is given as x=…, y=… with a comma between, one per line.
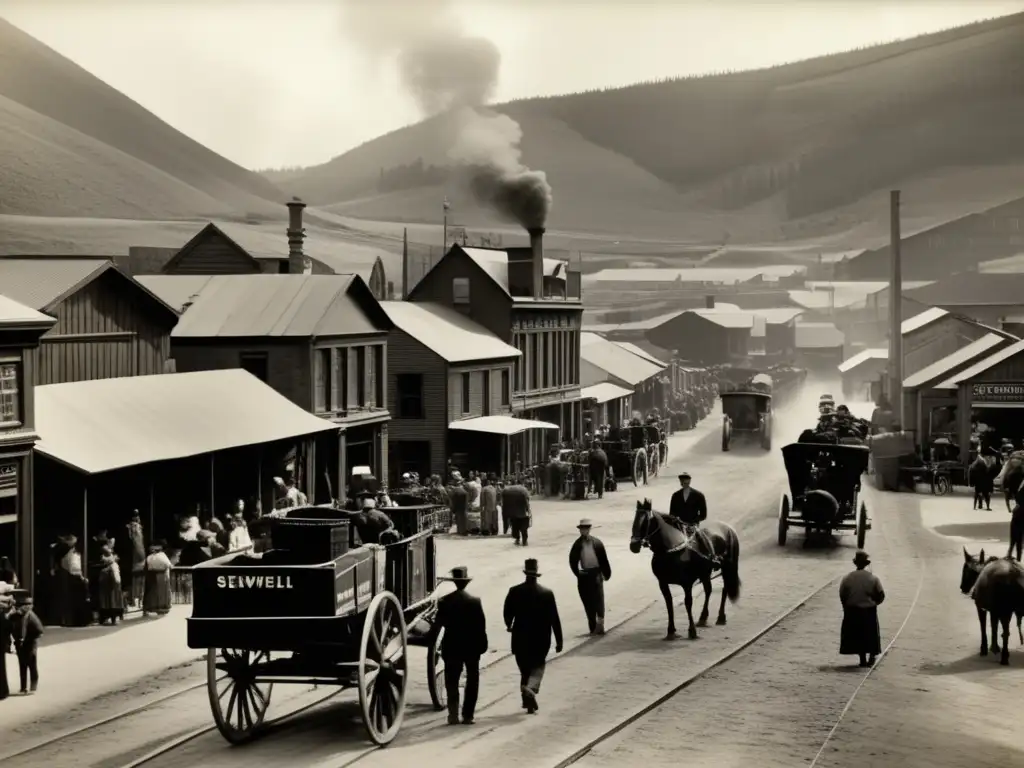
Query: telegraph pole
x=447, y=207
x=405, y=264
x=895, y=312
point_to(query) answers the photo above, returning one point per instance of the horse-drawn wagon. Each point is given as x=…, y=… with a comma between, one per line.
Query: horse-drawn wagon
x=824, y=483
x=635, y=451
x=321, y=608
x=747, y=412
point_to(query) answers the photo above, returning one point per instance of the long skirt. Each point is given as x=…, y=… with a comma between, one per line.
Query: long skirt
x=157, y=597
x=110, y=597
x=860, y=633
x=489, y=519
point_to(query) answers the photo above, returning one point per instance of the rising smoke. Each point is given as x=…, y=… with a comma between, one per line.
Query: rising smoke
x=447, y=71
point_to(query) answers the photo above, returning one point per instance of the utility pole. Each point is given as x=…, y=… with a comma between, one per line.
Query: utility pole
x=405, y=264
x=447, y=207
x=895, y=312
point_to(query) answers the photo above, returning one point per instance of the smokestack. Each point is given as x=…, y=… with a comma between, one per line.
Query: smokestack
x=296, y=235
x=537, y=263
x=895, y=310
x=709, y=302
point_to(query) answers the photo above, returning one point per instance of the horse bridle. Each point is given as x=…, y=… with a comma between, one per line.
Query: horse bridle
x=646, y=540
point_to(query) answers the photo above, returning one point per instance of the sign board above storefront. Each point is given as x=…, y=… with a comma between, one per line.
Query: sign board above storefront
x=998, y=392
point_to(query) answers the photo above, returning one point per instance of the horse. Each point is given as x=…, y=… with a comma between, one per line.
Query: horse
x=677, y=559
x=997, y=587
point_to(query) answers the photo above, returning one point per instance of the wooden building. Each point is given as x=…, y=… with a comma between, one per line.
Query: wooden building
x=319, y=340
x=779, y=339
x=710, y=336
x=819, y=348
x=445, y=370
x=604, y=361
x=606, y=403
x=20, y=330
x=986, y=297
x=935, y=334
x=107, y=324
x=534, y=304
x=862, y=374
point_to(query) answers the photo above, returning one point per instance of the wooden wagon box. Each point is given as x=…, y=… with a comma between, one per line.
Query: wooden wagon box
x=412, y=520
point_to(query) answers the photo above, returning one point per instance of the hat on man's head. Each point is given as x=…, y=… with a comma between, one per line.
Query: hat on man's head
x=460, y=574
x=585, y=523
x=530, y=567
x=861, y=558
x=684, y=476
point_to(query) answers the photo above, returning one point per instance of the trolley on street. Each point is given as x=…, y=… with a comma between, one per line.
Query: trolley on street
x=824, y=480
x=747, y=412
x=321, y=608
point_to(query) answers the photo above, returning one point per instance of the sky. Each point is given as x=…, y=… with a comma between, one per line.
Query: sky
x=278, y=84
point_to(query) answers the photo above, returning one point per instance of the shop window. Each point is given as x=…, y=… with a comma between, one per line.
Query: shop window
x=10, y=393
x=410, y=395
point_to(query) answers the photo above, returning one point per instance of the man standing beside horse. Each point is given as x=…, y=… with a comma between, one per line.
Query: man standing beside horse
x=689, y=509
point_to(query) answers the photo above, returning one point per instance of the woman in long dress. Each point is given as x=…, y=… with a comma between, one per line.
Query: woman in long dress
x=110, y=592
x=157, y=596
x=861, y=593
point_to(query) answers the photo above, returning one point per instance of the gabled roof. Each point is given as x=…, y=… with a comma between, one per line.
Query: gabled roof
x=175, y=290
x=971, y=289
x=16, y=315
x=44, y=283
x=604, y=392
x=818, y=336
x=723, y=275
x=199, y=237
x=873, y=353
x=968, y=355
x=919, y=321
x=446, y=332
x=778, y=315
x=982, y=365
x=618, y=362
x=650, y=323
x=493, y=262
x=630, y=347
x=726, y=318
x=295, y=306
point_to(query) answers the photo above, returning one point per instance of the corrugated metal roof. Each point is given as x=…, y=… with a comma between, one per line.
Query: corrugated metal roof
x=779, y=315
x=724, y=275
x=500, y=425
x=982, y=365
x=650, y=323
x=107, y=424
x=1007, y=265
x=275, y=305
x=40, y=283
x=917, y=322
x=16, y=313
x=587, y=337
x=873, y=353
x=174, y=290
x=971, y=289
x=604, y=392
x=818, y=336
x=967, y=355
x=726, y=319
x=630, y=347
x=617, y=362
x=823, y=299
x=447, y=332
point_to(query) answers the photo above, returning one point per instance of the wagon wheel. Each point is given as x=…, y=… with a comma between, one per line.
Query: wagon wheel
x=239, y=704
x=639, y=466
x=783, y=519
x=725, y=433
x=942, y=485
x=862, y=526
x=435, y=674
x=383, y=678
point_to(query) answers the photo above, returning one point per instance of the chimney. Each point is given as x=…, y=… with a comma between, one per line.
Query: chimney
x=296, y=234
x=537, y=263
x=709, y=302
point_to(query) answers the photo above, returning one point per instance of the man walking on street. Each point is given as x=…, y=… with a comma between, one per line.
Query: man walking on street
x=598, y=468
x=27, y=631
x=461, y=616
x=531, y=615
x=589, y=564
x=515, y=505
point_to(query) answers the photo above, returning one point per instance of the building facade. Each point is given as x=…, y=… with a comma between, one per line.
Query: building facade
x=708, y=337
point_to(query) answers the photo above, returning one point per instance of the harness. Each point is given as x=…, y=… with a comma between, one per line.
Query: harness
x=689, y=529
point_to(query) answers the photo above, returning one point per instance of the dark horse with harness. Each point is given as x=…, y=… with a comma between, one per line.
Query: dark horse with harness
x=678, y=557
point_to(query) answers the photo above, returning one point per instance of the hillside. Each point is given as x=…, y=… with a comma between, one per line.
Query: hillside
x=72, y=145
x=789, y=152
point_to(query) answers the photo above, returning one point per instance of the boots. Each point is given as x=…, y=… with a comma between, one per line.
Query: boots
x=599, y=628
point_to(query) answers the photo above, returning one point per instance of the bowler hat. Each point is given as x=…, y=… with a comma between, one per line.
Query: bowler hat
x=460, y=573
x=530, y=567
x=684, y=475
x=861, y=558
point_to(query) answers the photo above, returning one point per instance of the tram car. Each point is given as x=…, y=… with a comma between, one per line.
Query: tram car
x=634, y=452
x=747, y=412
x=824, y=490
x=318, y=607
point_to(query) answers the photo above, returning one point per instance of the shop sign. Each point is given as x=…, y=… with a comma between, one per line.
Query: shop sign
x=1003, y=392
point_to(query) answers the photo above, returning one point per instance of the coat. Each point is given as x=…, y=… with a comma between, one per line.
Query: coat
x=531, y=614
x=598, y=460
x=692, y=510
x=980, y=476
x=461, y=616
x=602, y=557
x=515, y=502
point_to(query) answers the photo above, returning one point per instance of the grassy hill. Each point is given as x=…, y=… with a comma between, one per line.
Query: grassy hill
x=70, y=145
x=796, y=151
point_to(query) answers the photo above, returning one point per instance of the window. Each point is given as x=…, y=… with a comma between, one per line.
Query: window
x=545, y=359
x=460, y=290
x=341, y=397
x=465, y=393
x=10, y=397
x=360, y=399
x=378, y=376
x=253, y=362
x=534, y=361
x=322, y=381
x=410, y=395
x=487, y=393
x=371, y=356
x=506, y=386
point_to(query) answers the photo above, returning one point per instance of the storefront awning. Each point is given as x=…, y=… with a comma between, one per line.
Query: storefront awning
x=107, y=424
x=604, y=392
x=500, y=425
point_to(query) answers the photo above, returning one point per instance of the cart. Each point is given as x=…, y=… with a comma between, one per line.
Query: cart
x=746, y=413
x=318, y=608
x=824, y=480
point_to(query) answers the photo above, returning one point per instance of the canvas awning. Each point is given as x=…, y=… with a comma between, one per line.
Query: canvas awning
x=107, y=424
x=500, y=425
x=604, y=392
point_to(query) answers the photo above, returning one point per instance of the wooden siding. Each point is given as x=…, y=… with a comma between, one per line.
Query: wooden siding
x=405, y=356
x=484, y=387
x=109, y=329
x=358, y=364
x=549, y=340
x=936, y=341
x=695, y=338
x=212, y=254
x=26, y=387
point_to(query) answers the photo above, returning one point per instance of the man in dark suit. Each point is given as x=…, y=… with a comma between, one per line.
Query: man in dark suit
x=515, y=506
x=531, y=615
x=27, y=631
x=589, y=564
x=688, y=510
x=461, y=616
x=598, y=468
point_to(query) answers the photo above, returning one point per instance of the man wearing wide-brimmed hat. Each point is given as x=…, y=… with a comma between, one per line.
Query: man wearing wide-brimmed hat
x=861, y=593
x=460, y=616
x=531, y=615
x=588, y=561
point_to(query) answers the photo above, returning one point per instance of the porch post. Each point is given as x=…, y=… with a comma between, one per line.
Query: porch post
x=342, y=467
x=212, y=488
